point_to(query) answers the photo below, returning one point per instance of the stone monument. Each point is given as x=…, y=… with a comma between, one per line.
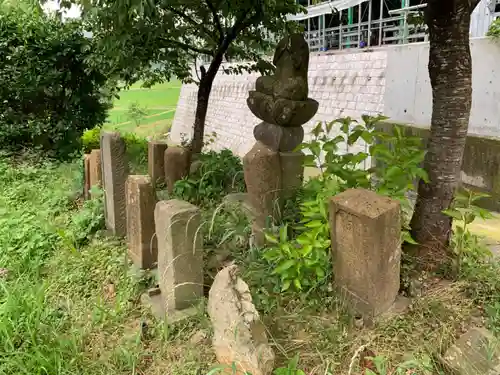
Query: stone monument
x=273, y=170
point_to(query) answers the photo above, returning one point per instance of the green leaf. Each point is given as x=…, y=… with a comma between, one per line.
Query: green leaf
x=283, y=233
x=282, y=267
x=406, y=237
x=297, y=284
x=453, y=214
x=319, y=272
x=270, y=238
x=314, y=224
x=286, y=285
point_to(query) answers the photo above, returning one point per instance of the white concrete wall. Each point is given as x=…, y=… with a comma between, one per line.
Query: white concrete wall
x=481, y=18
x=408, y=95
x=393, y=81
x=349, y=84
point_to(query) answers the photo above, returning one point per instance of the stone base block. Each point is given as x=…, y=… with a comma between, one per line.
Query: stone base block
x=262, y=170
x=366, y=248
x=157, y=305
x=292, y=173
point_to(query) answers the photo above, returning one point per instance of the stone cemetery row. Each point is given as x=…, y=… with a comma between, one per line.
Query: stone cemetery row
x=168, y=235
x=365, y=227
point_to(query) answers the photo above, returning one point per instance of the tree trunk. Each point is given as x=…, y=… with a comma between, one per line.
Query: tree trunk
x=206, y=81
x=450, y=71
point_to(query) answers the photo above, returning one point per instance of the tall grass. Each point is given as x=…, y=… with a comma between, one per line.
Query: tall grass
x=69, y=300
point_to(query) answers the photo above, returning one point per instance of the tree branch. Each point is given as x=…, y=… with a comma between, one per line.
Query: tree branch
x=185, y=46
x=190, y=20
x=216, y=19
x=473, y=4
x=240, y=24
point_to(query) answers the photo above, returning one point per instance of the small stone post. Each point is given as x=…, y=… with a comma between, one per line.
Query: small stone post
x=366, y=249
x=86, y=176
x=142, y=242
x=180, y=256
x=176, y=165
x=281, y=101
x=95, y=168
x=156, y=161
x=114, y=167
x=260, y=166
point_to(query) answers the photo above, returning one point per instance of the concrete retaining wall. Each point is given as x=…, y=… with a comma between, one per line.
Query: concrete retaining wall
x=481, y=163
x=393, y=81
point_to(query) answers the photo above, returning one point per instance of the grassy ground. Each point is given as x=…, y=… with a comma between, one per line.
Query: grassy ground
x=71, y=306
x=157, y=107
x=68, y=306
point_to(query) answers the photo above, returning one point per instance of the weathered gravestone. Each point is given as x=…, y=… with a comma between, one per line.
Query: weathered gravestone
x=180, y=260
x=477, y=352
x=95, y=168
x=366, y=249
x=114, y=166
x=142, y=242
x=240, y=337
x=177, y=161
x=281, y=101
x=156, y=161
x=86, y=176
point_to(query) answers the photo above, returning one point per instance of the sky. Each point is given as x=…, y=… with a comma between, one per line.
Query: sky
x=52, y=5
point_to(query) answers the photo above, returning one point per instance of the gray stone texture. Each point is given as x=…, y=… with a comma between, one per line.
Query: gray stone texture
x=262, y=169
x=114, y=173
x=239, y=335
x=477, y=352
x=156, y=161
x=141, y=238
x=180, y=253
x=176, y=165
x=282, y=98
x=279, y=138
x=366, y=249
x=292, y=173
x=344, y=85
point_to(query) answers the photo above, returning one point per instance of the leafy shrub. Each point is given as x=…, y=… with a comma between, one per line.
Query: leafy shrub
x=137, y=147
x=137, y=151
x=467, y=247
x=302, y=260
x=136, y=113
x=91, y=139
x=48, y=93
x=219, y=173
x=494, y=29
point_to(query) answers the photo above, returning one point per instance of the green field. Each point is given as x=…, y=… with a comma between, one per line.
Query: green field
x=156, y=104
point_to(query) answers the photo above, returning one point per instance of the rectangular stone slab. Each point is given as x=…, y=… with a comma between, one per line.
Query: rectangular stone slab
x=114, y=166
x=95, y=168
x=366, y=249
x=142, y=242
x=86, y=176
x=156, y=161
x=180, y=253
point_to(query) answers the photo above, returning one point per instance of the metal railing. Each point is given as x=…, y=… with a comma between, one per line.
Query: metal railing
x=393, y=30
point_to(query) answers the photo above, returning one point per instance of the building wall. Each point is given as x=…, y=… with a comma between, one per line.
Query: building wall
x=393, y=81
x=408, y=96
x=345, y=84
